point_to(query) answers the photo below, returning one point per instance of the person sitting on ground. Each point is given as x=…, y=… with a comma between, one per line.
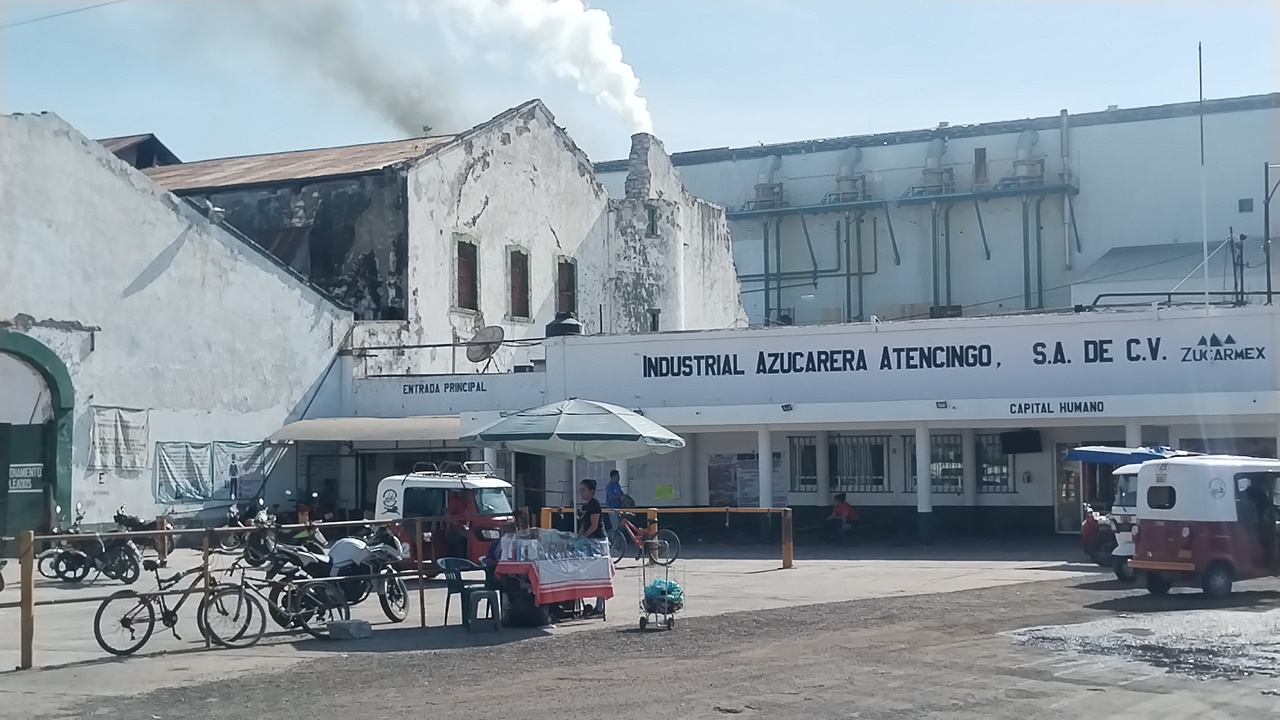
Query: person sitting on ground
x=842, y=515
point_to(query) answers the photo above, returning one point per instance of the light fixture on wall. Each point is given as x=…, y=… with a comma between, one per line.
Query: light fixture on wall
x=941, y=404
x=1026, y=476
x=787, y=407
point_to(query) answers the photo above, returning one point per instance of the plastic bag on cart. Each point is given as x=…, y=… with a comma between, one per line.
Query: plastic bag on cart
x=663, y=596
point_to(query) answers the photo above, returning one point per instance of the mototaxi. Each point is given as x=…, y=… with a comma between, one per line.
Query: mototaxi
x=469, y=491
x=1208, y=520
x=1123, y=516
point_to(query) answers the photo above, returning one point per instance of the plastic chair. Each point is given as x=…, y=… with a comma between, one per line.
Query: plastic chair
x=492, y=619
x=452, y=568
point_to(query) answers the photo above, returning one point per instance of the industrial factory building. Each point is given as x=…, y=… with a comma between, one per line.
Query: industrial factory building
x=997, y=217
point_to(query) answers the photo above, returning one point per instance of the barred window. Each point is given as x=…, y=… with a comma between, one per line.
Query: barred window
x=945, y=463
x=858, y=463
x=804, y=463
x=995, y=469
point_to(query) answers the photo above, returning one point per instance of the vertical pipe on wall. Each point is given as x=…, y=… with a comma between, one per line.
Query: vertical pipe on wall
x=982, y=230
x=1065, y=144
x=1026, y=253
x=766, y=271
x=1039, y=256
x=777, y=264
x=1266, y=222
x=862, y=277
x=946, y=245
x=848, y=269
x=933, y=250
x=893, y=240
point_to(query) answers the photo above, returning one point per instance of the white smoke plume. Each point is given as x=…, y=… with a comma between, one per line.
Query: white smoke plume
x=567, y=38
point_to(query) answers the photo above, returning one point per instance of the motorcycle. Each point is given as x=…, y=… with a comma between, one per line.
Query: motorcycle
x=117, y=558
x=44, y=561
x=133, y=523
x=239, y=516
x=288, y=561
x=309, y=535
x=376, y=554
x=1098, y=536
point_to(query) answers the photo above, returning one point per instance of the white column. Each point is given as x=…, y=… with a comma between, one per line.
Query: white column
x=1133, y=433
x=764, y=451
x=689, y=471
x=823, y=442
x=969, y=468
x=924, y=484
x=491, y=457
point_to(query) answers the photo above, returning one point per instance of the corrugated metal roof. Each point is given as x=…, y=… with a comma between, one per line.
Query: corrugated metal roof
x=116, y=144
x=296, y=165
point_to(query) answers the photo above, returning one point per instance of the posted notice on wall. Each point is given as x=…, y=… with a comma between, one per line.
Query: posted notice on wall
x=119, y=439
x=240, y=469
x=734, y=481
x=198, y=472
x=184, y=472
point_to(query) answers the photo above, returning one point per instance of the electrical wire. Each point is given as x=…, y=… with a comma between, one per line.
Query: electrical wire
x=64, y=13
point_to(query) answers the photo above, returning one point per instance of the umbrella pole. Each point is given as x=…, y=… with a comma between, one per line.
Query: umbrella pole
x=573, y=489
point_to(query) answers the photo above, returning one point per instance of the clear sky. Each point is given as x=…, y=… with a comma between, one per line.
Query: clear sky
x=715, y=72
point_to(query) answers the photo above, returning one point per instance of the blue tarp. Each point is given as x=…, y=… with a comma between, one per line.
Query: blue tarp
x=1122, y=455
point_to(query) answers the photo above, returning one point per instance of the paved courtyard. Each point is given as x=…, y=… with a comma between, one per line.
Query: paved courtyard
x=966, y=633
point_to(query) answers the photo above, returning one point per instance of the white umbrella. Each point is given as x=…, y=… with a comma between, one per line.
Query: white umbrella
x=574, y=428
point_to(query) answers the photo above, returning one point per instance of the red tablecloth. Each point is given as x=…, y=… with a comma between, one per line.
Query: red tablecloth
x=556, y=581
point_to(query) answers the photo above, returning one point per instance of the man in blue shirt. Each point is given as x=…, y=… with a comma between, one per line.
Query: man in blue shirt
x=612, y=497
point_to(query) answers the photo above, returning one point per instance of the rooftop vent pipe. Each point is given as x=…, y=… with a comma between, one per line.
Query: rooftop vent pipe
x=1027, y=143
x=849, y=161
x=771, y=165
x=937, y=148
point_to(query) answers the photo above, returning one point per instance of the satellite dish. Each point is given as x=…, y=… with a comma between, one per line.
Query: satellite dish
x=484, y=344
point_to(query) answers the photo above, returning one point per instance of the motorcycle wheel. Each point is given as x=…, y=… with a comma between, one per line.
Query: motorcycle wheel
x=275, y=607
x=44, y=565
x=124, y=567
x=321, y=605
x=395, y=599
x=70, y=568
x=231, y=541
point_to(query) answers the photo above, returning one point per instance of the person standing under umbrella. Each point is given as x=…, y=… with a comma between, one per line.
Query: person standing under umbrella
x=591, y=526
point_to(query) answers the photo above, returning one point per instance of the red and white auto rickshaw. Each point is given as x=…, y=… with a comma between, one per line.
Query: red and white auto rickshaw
x=1208, y=520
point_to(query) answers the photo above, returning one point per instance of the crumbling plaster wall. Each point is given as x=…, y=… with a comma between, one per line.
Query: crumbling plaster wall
x=356, y=247
x=149, y=306
x=518, y=182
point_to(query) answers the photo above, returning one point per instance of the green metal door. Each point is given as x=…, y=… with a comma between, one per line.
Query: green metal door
x=24, y=460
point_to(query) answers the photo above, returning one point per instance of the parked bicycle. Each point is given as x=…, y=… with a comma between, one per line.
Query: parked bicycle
x=136, y=616
x=294, y=605
x=663, y=548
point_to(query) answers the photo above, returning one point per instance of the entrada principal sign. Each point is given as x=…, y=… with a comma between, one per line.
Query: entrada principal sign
x=1103, y=351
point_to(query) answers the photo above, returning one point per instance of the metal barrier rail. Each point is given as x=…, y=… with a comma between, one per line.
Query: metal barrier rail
x=788, y=548
x=27, y=565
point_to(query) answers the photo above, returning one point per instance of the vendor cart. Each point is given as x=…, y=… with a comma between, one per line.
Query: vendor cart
x=545, y=575
x=661, y=595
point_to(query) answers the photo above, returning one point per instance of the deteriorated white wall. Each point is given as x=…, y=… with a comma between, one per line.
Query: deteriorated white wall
x=519, y=182
x=1139, y=185
x=215, y=339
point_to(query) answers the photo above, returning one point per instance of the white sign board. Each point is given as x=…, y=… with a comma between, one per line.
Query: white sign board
x=1042, y=364
x=26, y=478
x=447, y=394
x=119, y=439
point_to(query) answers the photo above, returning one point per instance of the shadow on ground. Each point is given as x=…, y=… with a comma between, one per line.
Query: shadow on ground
x=1144, y=602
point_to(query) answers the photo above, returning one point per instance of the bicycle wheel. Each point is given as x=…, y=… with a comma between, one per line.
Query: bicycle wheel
x=233, y=618
x=395, y=599
x=135, y=619
x=319, y=605
x=617, y=545
x=668, y=547
x=280, y=604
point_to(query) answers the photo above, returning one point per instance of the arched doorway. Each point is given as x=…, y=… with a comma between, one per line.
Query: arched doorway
x=36, y=413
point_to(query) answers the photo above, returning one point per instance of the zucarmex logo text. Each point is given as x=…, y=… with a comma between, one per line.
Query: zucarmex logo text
x=1211, y=348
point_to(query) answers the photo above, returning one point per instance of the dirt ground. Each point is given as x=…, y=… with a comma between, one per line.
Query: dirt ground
x=925, y=656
